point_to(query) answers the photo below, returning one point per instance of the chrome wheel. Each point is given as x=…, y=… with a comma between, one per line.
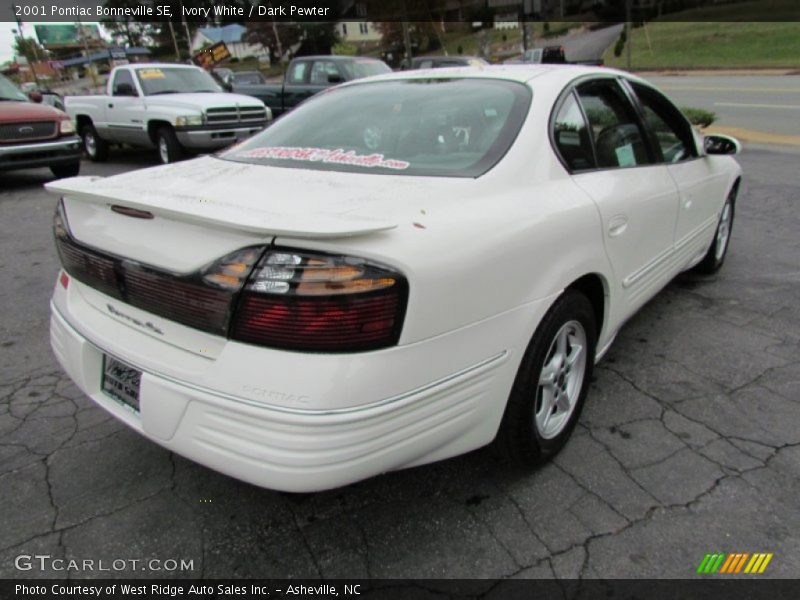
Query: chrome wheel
x=723, y=231
x=560, y=380
x=90, y=144
x=163, y=149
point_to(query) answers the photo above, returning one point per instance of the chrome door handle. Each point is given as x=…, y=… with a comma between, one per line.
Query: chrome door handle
x=617, y=225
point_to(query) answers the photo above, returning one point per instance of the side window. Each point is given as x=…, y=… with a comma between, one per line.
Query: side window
x=618, y=137
x=671, y=131
x=571, y=136
x=298, y=72
x=426, y=64
x=123, y=84
x=321, y=70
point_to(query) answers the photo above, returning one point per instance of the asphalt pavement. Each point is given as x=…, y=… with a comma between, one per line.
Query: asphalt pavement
x=768, y=103
x=688, y=445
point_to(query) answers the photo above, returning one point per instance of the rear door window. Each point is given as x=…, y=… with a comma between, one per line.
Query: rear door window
x=298, y=72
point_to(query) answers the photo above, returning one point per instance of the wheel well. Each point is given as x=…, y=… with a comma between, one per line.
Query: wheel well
x=591, y=286
x=82, y=121
x=153, y=127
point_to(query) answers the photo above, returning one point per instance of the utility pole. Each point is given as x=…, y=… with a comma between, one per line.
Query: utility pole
x=406, y=36
x=22, y=42
x=174, y=41
x=628, y=40
x=90, y=66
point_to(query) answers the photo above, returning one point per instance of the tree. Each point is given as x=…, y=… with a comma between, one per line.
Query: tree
x=292, y=38
x=128, y=31
x=29, y=48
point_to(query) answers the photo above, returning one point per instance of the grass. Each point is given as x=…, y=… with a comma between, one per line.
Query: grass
x=691, y=45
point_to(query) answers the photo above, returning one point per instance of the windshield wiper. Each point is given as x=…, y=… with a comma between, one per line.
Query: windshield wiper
x=7, y=99
x=166, y=92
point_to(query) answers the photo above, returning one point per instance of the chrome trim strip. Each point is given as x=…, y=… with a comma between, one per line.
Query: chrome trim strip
x=297, y=411
x=65, y=144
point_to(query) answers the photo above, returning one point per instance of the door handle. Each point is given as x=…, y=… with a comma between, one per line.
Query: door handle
x=617, y=225
x=110, y=105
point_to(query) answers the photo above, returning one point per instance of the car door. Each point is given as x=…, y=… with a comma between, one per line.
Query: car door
x=125, y=110
x=602, y=142
x=701, y=190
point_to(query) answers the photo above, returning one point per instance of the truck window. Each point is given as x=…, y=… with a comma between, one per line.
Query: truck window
x=321, y=70
x=297, y=72
x=123, y=83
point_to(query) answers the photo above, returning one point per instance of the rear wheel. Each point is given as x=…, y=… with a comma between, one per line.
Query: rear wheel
x=95, y=147
x=551, y=384
x=70, y=170
x=169, y=148
x=715, y=256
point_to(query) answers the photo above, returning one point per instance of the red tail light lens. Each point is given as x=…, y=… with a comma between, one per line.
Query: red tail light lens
x=316, y=302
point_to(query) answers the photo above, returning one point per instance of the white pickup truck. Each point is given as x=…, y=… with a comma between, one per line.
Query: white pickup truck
x=177, y=109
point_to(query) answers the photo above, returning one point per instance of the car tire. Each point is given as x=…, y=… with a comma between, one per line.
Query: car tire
x=95, y=147
x=169, y=148
x=715, y=257
x=70, y=170
x=551, y=384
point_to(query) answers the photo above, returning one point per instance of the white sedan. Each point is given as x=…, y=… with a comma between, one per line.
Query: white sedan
x=401, y=270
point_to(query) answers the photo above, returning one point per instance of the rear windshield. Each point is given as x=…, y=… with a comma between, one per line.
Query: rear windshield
x=365, y=68
x=457, y=127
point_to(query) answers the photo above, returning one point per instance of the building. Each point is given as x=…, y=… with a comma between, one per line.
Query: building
x=354, y=32
x=233, y=36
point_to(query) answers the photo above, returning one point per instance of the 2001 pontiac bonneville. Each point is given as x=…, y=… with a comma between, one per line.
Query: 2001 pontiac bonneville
x=401, y=270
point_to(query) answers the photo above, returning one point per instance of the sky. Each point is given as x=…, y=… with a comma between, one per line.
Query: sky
x=7, y=39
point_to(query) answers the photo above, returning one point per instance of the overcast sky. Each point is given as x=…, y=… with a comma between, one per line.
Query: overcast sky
x=7, y=39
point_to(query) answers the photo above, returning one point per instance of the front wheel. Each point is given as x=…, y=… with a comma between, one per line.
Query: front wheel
x=715, y=256
x=96, y=148
x=169, y=148
x=551, y=384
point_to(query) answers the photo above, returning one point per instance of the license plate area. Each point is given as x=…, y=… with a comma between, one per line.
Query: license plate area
x=121, y=382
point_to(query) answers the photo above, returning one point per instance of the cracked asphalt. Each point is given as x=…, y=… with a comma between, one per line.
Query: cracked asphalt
x=689, y=444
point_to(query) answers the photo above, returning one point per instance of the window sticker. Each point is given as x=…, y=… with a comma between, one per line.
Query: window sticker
x=625, y=157
x=324, y=155
x=151, y=74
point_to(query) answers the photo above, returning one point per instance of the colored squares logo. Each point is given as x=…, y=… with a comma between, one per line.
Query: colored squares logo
x=734, y=563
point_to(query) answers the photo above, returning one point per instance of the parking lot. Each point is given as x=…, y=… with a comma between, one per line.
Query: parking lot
x=689, y=443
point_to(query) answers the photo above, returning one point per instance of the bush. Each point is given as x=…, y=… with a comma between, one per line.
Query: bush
x=620, y=45
x=344, y=49
x=234, y=59
x=699, y=116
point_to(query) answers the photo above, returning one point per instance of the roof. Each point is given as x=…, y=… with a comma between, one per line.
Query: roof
x=98, y=56
x=230, y=34
x=512, y=72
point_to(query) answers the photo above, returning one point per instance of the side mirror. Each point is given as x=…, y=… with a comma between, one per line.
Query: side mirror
x=35, y=96
x=124, y=89
x=334, y=78
x=721, y=144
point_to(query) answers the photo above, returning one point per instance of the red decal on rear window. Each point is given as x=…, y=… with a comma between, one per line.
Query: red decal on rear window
x=324, y=155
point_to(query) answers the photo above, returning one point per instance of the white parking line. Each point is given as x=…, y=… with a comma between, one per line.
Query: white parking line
x=741, y=104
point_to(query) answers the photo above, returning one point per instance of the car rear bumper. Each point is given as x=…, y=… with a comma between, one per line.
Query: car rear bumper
x=40, y=154
x=297, y=446
x=209, y=139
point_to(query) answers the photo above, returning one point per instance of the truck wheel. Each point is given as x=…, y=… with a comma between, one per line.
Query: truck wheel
x=70, y=170
x=96, y=148
x=169, y=148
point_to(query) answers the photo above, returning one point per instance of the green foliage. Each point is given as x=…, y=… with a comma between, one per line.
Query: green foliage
x=344, y=49
x=699, y=116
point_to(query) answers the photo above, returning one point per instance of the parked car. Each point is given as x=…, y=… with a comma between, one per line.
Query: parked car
x=550, y=55
x=306, y=76
x=437, y=62
x=177, y=109
x=399, y=271
x=35, y=135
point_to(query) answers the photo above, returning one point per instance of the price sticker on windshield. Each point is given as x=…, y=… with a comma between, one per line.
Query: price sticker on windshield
x=151, y=74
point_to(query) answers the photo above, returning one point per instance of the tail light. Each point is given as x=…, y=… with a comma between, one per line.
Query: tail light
x=317, y=302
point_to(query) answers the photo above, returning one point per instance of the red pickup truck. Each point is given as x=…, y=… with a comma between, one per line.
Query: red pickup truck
x=35, y=135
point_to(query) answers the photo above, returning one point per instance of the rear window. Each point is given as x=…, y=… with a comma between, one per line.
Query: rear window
x=457, y=127
x=365, y=68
